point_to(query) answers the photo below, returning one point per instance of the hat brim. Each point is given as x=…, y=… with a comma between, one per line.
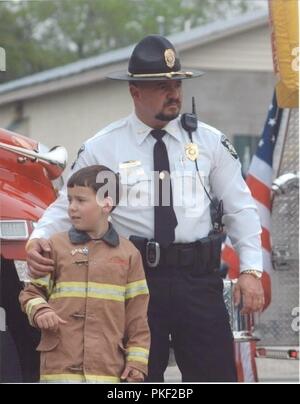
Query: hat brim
x=121, y=75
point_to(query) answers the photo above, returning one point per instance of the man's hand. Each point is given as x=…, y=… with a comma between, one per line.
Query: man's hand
x=131, y=374
x=48, y=321
x=252, y=293
x=39, y=265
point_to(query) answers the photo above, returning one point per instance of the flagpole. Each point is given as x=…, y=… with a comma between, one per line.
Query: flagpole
x=283, y=133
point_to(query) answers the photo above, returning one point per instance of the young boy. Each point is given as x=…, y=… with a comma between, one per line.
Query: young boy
x=93, y=309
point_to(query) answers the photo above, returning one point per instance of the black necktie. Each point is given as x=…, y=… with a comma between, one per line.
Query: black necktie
x=165, y=220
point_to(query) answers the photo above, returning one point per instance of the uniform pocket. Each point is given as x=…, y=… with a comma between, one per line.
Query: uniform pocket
x=188, y=191
x=137, y=187
x=48, y=349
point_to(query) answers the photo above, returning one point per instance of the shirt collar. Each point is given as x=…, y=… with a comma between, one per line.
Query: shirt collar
x=111, y=237
x=142, y=130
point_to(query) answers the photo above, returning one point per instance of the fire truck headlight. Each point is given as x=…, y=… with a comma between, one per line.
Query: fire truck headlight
x=22, y=270
x=14, y=230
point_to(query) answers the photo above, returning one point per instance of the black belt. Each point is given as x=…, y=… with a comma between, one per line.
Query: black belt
x=203, y=255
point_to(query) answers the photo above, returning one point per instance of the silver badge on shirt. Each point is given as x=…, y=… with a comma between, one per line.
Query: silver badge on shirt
x=83, y=251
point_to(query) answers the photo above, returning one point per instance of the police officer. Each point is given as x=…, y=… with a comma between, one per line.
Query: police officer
x=179, y=247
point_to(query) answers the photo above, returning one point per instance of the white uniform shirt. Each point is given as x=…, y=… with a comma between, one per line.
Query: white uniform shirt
x=129, y=140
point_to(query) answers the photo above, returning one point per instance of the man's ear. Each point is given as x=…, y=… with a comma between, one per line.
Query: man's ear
x=107, y=205
x=134, y=91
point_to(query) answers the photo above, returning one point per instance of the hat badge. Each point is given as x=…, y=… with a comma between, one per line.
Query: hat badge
x=169, y=57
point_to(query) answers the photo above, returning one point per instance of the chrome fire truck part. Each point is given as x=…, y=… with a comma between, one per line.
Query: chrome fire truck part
x=277, y=321
x=242, y=325
x=56, y=157
x=284, y=182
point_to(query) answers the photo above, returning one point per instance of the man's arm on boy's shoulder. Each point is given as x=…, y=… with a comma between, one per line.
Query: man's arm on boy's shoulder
x=137, y=338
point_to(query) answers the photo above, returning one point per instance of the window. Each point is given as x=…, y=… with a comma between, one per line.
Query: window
x=245, y=146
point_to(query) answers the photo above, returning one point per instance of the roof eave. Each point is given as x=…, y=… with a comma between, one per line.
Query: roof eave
x=96, y=68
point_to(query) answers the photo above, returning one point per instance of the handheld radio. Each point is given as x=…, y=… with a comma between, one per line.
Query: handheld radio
x=189, y=122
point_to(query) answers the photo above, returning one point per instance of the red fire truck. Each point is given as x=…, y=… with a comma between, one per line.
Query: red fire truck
x=30, y=174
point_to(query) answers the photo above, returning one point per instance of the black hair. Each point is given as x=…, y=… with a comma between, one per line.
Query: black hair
x=97, y=177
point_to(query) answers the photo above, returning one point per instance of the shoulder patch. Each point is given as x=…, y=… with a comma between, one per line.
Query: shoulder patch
x=228, y=145
x=82, y=148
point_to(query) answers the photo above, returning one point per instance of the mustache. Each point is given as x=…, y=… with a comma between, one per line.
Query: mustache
x=172, y=102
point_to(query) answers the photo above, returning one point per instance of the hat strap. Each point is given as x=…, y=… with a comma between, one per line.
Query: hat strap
x=169, y=75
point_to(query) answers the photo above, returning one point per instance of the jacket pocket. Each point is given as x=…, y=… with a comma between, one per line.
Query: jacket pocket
x=49, y=341
x=49, y=359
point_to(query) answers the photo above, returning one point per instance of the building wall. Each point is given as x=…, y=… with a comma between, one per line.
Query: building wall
x=233, y=95
x=68, y=118
x=7, y=115
x=249, y=51
x=234, y=102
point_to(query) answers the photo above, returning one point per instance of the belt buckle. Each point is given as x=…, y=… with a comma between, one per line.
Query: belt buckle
x=152, y=254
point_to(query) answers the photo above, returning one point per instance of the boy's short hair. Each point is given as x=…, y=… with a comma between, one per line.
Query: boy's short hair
x=97, y=177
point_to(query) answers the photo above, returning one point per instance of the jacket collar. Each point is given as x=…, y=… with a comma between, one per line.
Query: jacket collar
x=111, y=237
x=142, y=130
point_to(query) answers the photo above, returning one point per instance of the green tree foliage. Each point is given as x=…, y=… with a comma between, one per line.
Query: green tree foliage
x=38, y=35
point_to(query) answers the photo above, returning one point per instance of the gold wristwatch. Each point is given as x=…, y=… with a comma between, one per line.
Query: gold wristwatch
x=253, y=272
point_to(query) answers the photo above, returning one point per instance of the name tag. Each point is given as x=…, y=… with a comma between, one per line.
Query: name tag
x=131, y=171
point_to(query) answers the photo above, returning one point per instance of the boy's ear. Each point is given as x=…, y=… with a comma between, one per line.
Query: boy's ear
x=107, y=204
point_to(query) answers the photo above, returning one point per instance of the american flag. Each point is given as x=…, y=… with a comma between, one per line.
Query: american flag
x=259, y=180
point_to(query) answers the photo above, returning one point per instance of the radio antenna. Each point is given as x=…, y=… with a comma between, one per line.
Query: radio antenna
x=193, y=106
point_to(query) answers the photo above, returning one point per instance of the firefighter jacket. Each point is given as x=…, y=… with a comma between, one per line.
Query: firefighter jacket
x=99, y=288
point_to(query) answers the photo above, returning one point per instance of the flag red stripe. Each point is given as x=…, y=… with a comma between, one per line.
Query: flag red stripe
x=232, y=259
x=265, y=239
x=253, y=363
x=259, y=191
